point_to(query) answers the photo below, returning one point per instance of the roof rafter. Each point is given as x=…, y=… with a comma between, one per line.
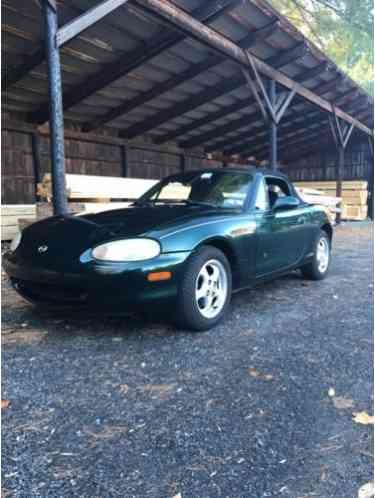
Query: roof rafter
x=225, y=46
x=205, y=96
x=301, y=127
x=176, y=80
x=208, y=12
x=243, y=121
x=260, y=129
x=237, y=106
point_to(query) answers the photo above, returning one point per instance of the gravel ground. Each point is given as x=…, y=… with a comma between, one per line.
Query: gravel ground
x=105, y=407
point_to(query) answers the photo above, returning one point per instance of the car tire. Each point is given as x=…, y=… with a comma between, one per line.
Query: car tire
x=318, y=268
x=205, y=290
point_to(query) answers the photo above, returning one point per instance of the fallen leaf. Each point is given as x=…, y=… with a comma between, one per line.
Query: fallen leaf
x=366, y=491
x=160, y=390
x=342, y=403
x=363, y=418
x=5, y=403
x=258, y=375
x=124, y=388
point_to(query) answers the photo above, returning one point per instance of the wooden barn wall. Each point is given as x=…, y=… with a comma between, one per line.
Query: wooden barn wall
x=322, y=166
x=82, y=157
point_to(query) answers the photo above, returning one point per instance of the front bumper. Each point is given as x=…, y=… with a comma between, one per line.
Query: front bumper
x=117, y=287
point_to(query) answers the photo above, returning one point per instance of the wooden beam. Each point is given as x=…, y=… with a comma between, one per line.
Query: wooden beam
x=208, y=12
x=206, y=95
x=165, y=86
x=190, y=26
x=86, y=20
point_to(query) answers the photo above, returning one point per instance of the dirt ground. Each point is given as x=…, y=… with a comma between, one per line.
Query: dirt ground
x=261, y=406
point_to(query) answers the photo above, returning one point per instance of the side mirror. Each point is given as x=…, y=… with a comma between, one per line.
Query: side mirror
x=284, y=203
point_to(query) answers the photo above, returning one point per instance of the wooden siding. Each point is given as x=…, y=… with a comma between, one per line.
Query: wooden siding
x=82, y=157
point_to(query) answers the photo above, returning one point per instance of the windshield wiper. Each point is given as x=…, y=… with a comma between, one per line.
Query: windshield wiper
x=144, y=202
x=199, y=203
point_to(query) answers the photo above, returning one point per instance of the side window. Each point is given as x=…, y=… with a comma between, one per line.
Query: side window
x=261, y=201
x=276, y=188
x=283, y=188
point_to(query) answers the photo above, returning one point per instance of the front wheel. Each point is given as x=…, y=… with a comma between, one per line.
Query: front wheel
x=318, y=268
x=205, y=289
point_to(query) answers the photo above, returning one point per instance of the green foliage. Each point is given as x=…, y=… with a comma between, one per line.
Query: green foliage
x=343, y=29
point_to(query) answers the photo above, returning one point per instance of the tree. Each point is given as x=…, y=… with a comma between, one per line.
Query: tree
x=343, y=29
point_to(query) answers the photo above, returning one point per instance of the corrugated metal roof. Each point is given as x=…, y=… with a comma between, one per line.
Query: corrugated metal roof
x=216, y=100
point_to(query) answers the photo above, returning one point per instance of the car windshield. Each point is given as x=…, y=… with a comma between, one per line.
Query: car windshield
x=220, y=189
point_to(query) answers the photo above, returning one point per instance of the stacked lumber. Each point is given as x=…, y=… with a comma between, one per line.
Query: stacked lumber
x=313, y=196
x=354, y=196
x=11, y=214
x=97, y=188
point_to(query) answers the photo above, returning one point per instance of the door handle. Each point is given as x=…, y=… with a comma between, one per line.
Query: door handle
x=299, y=221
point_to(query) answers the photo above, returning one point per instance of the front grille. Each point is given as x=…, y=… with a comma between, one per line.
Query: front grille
x=48, y=293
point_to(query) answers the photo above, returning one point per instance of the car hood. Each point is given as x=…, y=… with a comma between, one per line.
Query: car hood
x=67, y=237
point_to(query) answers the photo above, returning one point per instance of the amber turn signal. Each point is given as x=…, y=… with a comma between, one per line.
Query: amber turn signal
x=158, y=276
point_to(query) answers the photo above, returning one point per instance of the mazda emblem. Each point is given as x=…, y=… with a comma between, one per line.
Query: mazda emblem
x=42, y=249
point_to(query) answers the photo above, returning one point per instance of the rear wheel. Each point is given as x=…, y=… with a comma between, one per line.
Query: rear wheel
x=317, y=269
x=205, y=290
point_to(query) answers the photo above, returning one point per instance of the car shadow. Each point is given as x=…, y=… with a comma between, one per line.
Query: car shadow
x=67, y=323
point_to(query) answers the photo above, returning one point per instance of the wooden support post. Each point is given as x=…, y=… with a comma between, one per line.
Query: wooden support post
x=324, y=165
x=182, y=163
x=340, y=164
x=273, y=128
x=56, y=118
x=124, y=160
x=371, y=179
x=35, y=148
x=341, y=137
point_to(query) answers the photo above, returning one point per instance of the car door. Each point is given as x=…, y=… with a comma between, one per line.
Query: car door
x=281, y=236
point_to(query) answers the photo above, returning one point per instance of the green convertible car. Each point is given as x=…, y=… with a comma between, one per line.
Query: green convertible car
x=184, y=247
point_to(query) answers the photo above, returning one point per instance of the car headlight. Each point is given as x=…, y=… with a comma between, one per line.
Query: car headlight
x=127, y=250
x=15, y=242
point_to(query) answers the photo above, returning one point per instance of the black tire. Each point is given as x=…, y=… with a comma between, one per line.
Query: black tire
x=188, y=314
x=313, y=270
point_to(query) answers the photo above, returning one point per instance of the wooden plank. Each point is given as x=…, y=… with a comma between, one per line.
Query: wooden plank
x=324, y=200
x=8, y=233
x=99, y=187
x=331, y=185
x=355, y=197
x=8, y=221
x=18, y=209
x=86, y=20
x=356, y=213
